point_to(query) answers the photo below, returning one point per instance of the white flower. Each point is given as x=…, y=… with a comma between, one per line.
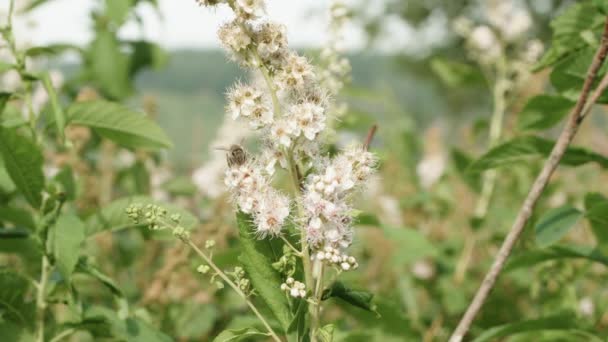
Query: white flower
x=249, y=102
x=296, y=73
x=271, y=213
x=511, y=21
x=309, y=119
x=234, y=37
x=250, y=8
x=271, y=41
x=294, y=288
x=282, y=131
x=270, y=157
x=483, y=39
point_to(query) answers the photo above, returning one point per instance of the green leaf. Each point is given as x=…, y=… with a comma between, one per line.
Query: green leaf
x=523, y=149
x=568, y=30
x=18, y=217
x=409, y=245
x=102, y=322
x=596, y=211
x=68, y=235
x=193, y=321
x=83, y=266
x=555, y=223
x=361, y=218
x=298, y=328
x=14, y=332
x=118, y=10
x=360, y=299
x=530, y=258
x=257, y=257
x=23, y=161
x=564, y=321
x=455, y=74
x=12, y=117
x=112, y=217
x=119, y=124
x=13, y=293
x=543, y=112
x=4, y=97
x=326, y=333
x=180, y=186
x=461, y=163
x=57, y=110
x=109, y=66
x=238, y=335
x=50, y=50
x=146, y=55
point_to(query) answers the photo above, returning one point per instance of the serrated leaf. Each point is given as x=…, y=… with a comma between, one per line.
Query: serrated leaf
x=568, y=28
x=119, y=124
x=68, y=235
x=358, y=298
x=596, y=211
x=109, y=66
x=234, y=335
x=543, y=112
x=257, y=257
x=555, y=223
x=564, y=321
x=526, y=148
x=13, y=293
x=23, y=161
x=530, y=258
x=112, y=217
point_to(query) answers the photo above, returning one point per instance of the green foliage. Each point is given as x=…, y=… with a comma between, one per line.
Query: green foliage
x=569, y=31
x=409, y=245
x=456, y=74
x=257, y=257
x=358, y=298
x=526, y=148
x=564, y=322
x=238, y=335
x=57, y=110
x=67, y=237
x=14, y=306
x=596, y=211
x=23, y=162
x=533, y=257
x=543, y=112
x=554, y=224
x=119, y=123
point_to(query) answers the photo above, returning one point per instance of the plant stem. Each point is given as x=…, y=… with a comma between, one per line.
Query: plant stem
x=295, y=250
x=62, y=335
x=41, y=298
x=578, y=113
x=224, y=277
x=496, y=124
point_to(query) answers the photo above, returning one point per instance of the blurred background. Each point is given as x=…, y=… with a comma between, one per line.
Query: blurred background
x=444, y=80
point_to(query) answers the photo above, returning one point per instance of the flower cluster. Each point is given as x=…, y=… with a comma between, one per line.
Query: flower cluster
x=505, y=25
x=333, y=256
x=335, y=69
x=328, y=215
x=295, y=288
x=289, y=111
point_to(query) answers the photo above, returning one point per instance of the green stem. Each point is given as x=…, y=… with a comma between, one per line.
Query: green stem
x=235, y=287
x=496, y=126
x=63, y=335
x=41, y=299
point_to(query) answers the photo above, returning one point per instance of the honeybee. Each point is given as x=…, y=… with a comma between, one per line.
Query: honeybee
x=236, y=155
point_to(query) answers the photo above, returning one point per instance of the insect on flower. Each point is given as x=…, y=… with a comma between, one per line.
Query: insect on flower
x=236, y=155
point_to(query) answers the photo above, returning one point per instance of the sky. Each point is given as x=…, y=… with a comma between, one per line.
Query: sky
x=183, y=24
